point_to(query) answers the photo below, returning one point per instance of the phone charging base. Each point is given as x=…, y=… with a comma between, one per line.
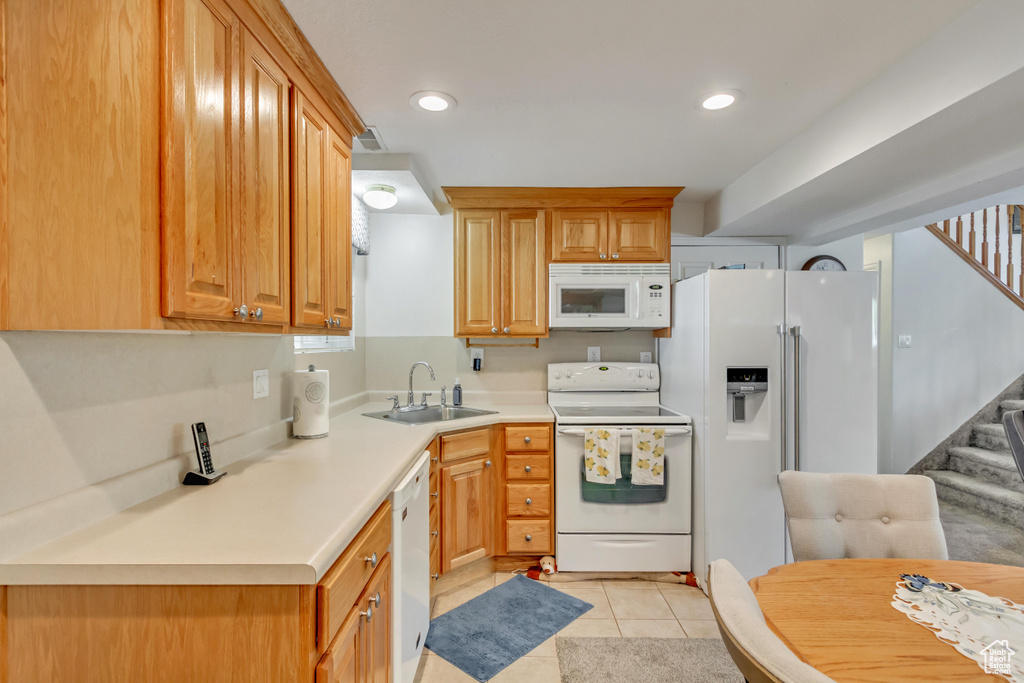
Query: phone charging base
x=200, y=479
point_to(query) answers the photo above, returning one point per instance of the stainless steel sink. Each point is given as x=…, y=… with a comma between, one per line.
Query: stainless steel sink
x=419, y=416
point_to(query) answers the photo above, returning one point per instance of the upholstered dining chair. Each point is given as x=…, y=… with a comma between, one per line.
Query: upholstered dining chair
x=1013, y=423
x=835, y=516
x=758, y=653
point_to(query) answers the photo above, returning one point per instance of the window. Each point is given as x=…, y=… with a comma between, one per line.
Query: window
x=322, y=343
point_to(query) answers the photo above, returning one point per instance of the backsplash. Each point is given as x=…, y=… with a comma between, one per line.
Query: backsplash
x=509, y=374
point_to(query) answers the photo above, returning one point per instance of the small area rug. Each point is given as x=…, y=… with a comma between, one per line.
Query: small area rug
x=486, y=634
x=651, y=660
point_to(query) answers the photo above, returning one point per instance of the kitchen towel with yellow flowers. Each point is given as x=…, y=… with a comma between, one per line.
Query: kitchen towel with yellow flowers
x=601, y=455
x=648, y=462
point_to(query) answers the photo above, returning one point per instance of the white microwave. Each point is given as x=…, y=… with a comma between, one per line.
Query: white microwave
x=612, y=295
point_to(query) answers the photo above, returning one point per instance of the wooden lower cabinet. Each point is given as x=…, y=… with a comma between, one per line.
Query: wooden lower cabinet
x=467, y=511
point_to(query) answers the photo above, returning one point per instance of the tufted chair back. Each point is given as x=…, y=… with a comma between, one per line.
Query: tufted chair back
x=834, y=516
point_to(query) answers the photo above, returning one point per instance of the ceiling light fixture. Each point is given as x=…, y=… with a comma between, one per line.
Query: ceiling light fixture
x=432, y=100
x=380, y=196
x=720, y=99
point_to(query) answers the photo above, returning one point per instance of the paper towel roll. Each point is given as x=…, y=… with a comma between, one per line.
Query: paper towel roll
x=311, y=401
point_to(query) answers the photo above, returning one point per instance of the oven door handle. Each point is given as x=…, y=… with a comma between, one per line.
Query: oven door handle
x=578, y=431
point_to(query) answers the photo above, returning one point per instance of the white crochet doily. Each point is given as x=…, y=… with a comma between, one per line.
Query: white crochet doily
x=987, y=629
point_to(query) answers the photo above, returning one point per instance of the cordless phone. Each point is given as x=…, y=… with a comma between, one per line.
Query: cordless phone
x=206, y=474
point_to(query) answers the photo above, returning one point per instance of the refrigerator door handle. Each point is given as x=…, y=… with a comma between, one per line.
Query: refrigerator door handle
x=782, y=395
x=795, y=331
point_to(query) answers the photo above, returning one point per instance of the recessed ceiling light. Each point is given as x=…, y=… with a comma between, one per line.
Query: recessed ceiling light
x=380, y=196
x=432, y=100
x=719, y=99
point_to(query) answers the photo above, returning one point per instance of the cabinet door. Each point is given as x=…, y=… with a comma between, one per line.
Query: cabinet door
x=265, y=184
x=579, y=235
x=375, y=632
x=309, y=211
x=340, y=663
x=467, y=511
x=638, y=235
x=339, y=231
x=477, y=273
x=524, y=278
x=200, y=161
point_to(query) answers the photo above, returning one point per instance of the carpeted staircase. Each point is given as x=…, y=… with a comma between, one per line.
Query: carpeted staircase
x=973, y=468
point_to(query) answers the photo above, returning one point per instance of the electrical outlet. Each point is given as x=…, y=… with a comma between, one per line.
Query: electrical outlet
x=474, y=355
x=260, y=383
x=645, y=356
x=594, y=354
x=904, y=341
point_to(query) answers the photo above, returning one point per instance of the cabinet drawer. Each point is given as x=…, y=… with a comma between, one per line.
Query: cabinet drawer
x=338, y=590
x=528, y=467
x=528, y=500
x=528, y=439
x=532, y=537
x=466, y=444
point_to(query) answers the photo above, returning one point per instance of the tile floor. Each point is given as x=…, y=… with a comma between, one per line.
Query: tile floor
x=621, y=609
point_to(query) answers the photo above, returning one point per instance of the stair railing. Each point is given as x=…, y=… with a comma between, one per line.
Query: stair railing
x=952, y=235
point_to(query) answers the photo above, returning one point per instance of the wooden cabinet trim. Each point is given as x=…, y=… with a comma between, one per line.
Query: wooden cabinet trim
x=467, y=444
x=343, y=582
x=560, y=197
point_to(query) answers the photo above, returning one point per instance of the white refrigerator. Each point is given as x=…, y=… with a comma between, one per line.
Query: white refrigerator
x=778, y=370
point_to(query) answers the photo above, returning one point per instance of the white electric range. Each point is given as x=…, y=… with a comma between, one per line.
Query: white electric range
x=621, y=526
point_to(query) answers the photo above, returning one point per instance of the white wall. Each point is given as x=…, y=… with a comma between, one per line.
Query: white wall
x=878, y=256
x=95, y=422
x=849, y=250
x=966, y=344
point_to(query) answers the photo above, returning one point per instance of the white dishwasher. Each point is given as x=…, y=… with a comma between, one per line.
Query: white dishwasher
x=411, y=569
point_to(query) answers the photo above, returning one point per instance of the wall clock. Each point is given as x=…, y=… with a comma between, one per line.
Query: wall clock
x=824, y=262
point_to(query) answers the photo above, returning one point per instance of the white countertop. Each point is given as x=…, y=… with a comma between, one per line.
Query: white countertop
x=281, y=516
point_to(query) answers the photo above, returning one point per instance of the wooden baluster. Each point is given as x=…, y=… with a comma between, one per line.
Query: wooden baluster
x=984, y=237
x=970, y=238
x=1009, y=247
x=1020, y=221
x=999, y=257
x=945, y=227
x=960, y=231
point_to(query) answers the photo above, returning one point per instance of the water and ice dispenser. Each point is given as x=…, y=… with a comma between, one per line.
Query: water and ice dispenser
x=743, y=384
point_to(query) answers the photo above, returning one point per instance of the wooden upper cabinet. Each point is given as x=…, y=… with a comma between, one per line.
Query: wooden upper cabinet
x=339, y=232
x=524, y=278
x=638, y=235
x=201, y=161
x=578, y=235
x=266, y=218
x=477, y=273
x=309, y=216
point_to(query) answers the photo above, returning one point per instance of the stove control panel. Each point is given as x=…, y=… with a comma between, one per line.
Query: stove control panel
x=603, y=377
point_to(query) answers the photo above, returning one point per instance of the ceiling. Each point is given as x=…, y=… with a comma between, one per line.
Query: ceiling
x=604, y=93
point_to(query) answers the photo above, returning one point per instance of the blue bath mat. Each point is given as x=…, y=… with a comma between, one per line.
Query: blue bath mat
x=491, y=631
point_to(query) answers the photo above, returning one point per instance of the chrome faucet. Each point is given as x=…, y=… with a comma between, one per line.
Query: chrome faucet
x=411, y=371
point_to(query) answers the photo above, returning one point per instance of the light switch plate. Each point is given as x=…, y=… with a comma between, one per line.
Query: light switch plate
x=260, y=383
x=904, y=341
x=645, y=356
x=594, y=354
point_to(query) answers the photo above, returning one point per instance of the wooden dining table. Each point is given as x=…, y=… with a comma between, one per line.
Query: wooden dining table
x=837, y=616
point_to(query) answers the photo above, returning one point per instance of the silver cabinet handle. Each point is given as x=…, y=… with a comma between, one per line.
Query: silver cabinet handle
x=435, y=532
x=327, y=322
x=529, y=537
x=434, y=459
x=242, y=311
x=435, y=577
x=528, y=468
x=372, y=559
x=487, y=464
x=494, y=330
x=257, y=314
x=368, y=613
x=529, y=501
x=526, y=439
x=604, y=255
x=507, y=330
x=615, y=255
x=375, y=600
x=434, y=494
